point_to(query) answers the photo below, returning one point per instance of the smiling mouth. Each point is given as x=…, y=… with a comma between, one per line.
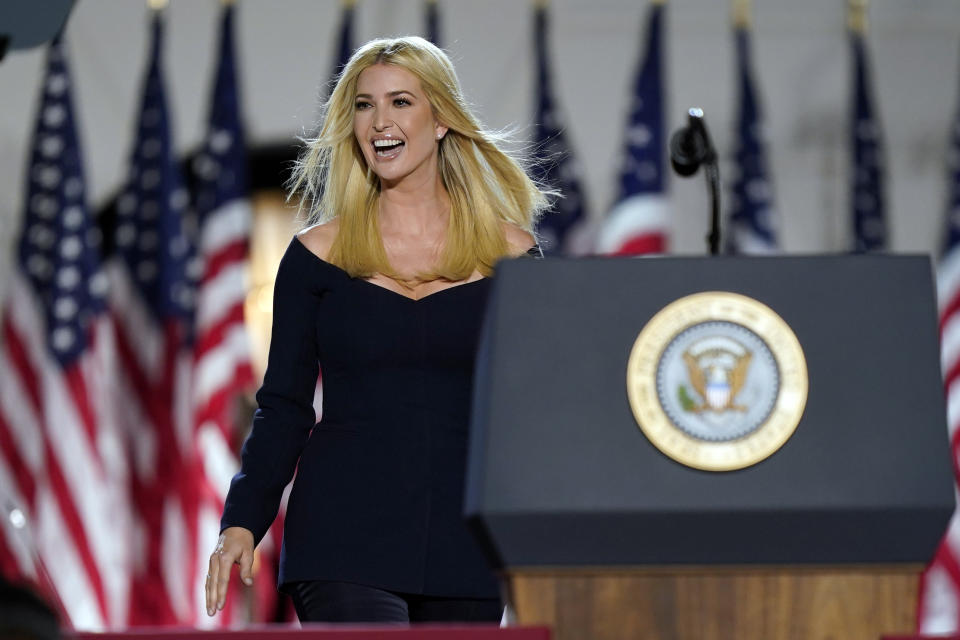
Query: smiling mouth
x=387, y=148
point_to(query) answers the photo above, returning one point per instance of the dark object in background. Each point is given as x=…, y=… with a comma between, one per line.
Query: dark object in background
x=25, y=616
x=28, y=23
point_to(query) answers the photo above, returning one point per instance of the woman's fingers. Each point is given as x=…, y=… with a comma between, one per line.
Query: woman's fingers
x=235, y=546
x=246, y=566
x=213, y=574
x=228, y=554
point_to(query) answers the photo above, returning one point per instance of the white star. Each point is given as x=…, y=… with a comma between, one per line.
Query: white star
x=639, y=135
x=194, y=268
x=150, y=148
x=63, y=338
x=68, y=277
x=47, y=176
x=220, y=141
x=763, y=217
x=206, y=167
x=150, y=179
x=126, y=233
x=51, y=146
x=41, y=236
x=178, y=246
x=99, y=284
x=56, y=84
x=64, y=308
x=73, y=187
x=39, y=266
x=73, y=217
x=647, y=171
x=758, y=189
x=70, y=247
x=178, y=199
x=182, y=295
x=127, y=204
x=43, y=205
x=54, y=115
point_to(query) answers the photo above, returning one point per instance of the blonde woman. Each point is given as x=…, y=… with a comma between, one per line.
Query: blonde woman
x=411, y=203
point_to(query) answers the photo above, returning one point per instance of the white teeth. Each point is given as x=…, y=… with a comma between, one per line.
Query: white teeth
x=381, y=144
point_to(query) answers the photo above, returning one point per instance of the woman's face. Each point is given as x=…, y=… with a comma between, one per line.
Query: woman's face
x=395, y=126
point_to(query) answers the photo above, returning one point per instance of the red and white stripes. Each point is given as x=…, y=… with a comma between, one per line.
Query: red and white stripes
x=65, y=474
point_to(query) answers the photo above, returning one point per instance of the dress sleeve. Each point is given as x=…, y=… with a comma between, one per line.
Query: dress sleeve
x=285, y=413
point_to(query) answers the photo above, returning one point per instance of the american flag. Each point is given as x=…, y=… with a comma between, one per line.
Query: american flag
x=433, y=21
x=638, y=222
x=152, y=295
x=62, y=474
x=222, y=367
x=939, y=605
x=344, y=39
x=558, y=168
x=868, y=201
x=751, y=227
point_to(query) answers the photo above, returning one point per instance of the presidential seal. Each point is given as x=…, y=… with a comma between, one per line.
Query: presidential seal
x=717, y=381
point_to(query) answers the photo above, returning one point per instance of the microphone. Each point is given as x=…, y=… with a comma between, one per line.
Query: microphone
x=691, y=147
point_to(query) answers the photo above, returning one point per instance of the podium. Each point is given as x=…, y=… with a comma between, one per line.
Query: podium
x=601, y=535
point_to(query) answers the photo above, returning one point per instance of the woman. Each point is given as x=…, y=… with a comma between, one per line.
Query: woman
x=411, y=203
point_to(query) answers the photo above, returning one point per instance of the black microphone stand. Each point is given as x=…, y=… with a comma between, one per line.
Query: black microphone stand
x=690, y=147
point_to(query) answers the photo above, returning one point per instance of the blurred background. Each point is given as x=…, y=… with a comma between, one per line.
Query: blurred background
x=834, y=122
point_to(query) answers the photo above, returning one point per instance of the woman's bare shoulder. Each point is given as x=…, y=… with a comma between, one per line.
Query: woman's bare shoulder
x=519, y=240
x=319, y=238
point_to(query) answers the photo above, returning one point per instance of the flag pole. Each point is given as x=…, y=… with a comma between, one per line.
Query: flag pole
x=742, y=10
x=857, y=16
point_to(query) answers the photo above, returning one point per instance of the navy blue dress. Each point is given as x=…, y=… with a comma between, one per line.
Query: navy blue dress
x=378, y=495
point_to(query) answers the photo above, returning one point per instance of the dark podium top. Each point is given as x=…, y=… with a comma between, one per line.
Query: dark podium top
x=560, y=473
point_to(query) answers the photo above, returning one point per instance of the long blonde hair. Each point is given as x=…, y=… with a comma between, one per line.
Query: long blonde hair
x=487, y=185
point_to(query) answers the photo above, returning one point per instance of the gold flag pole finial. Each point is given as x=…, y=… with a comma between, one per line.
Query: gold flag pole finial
x=348, y=4
x=658, y=2
x=857, y=16
x=157, y=5
x=742, y=10
x=541, y=4
x=228, y=3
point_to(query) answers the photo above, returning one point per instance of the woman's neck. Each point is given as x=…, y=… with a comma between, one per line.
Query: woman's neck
x=414, y=210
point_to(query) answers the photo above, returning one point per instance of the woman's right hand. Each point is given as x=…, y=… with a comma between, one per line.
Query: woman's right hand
x=235, y=546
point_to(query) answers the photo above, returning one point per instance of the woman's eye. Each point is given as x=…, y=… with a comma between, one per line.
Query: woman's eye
x=401, y=102
x=361, y=105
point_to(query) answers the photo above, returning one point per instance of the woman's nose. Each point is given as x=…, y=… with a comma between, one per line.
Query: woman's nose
x=381, y=120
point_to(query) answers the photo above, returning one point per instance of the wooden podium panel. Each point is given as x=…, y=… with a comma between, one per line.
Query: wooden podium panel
x=711, y=603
